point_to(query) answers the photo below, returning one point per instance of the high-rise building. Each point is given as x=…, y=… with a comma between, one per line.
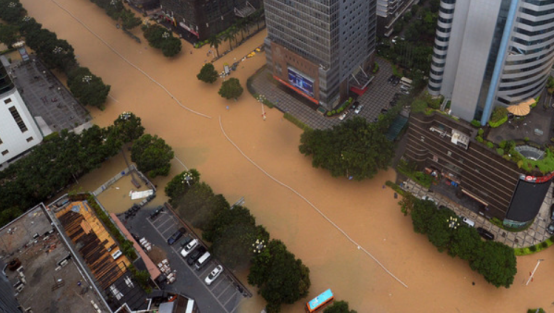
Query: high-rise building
x=204, y=18
x=491, y=52
x=18, y=130
x=8, y=302
x=321, y=49
x=388, y=12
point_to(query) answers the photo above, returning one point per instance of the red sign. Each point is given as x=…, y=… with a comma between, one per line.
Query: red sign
x=297, y=90
x=540, y=179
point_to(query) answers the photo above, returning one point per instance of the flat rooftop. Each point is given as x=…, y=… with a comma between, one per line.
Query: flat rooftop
x=45, y=289
x=537, y=126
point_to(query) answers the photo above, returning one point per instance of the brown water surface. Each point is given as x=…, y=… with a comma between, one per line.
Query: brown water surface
x=366, y=212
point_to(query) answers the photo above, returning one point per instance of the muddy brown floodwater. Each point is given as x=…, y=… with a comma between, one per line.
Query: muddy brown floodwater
x=365, y=211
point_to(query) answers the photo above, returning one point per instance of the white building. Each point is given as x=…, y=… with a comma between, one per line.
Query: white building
x=491, y=53
x=18, y=130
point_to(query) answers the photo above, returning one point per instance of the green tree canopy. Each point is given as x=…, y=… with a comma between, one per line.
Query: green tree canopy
x=128, y=127
x=9, y=34
x=171, y=46
x=179, y=185
x=12, y=11
x=439, y=231
x=339, y=307
x=152, y=155
x=465, y=243
x=88, y=88
x=200, y=205
x=497, y=263
x=208, y=74
x=353, y=148
x=280, y=276
x=422, y=212
x=129, y=20
x=231, y=89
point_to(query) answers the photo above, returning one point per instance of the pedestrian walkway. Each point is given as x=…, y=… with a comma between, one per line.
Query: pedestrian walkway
x=531, y=236
x=377, y=97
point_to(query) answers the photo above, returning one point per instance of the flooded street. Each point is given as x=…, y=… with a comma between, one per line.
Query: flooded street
x=364, y=210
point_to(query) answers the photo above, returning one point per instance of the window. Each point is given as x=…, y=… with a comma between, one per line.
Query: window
x=29, y=139
x=5, y=152
x=7, y=101
x=18, y=119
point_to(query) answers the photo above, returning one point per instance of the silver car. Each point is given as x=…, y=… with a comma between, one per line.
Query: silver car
x=214, y=274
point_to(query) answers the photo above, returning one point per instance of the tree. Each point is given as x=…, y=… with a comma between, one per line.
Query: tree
x=439, y=231
x=154, y=35
x=229, y=35
x=208, y=74
x=422, y=212
x=8, y=34
x=152, y=155
x=215, y=41
x=129, y=20
x=226, y=217
x=497, y=263
x=12, y=11
x=127, y=127
x=200, y=205
x=230, y=89
x=465, y=243
x=280, y=276
x=234, y=246
x=353, y=148
x=181, y=184
x=171, y=46
x=89, y=89
x=339, y=307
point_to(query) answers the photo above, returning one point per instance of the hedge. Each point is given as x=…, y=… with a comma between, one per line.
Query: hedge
x=500, y=122
x=297, y=122
x=535, y=248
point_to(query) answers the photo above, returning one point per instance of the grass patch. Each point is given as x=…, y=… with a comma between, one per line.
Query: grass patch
x=297, y=122
x=419, y=177
x=396, y=188
x=395, y=71
x=535, y=248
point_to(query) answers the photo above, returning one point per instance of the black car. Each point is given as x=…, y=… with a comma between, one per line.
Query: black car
x=185, y=240
x=383, y=111
x=156, y=212
x=485, y=233
x=195, y=255
x=178, y=234
x=355, y=105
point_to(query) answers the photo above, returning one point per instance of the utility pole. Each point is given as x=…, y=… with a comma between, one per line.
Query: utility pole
x=533, y=273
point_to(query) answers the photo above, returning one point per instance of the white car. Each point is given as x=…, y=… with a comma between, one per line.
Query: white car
x=469, y=222
x=359, y=108
x=189, y=247
x=342, y=116
x=213, y=275
x=427, y=198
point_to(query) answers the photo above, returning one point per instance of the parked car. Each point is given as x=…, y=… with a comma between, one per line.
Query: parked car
x=189, y=247
x=355, y=105
x=485, y=233
x=550, y=228
x=359, y=109
x=342, y=116
x=194, y=255
x=214, y=274
x=427, y=198
x=185, y=241
x=156, y=212
x=468, y=222
x=384, y=111
x=178, y=234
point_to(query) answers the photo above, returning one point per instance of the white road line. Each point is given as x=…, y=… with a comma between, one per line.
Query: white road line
x=159, y=226
x=311, y=204
x=185, y=263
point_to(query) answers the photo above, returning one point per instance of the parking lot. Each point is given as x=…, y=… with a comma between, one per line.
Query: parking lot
x=223, y=295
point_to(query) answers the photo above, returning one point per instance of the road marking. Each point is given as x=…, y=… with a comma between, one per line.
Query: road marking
x=193, y=272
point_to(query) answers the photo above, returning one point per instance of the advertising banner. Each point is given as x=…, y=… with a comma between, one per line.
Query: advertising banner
x=301, y=81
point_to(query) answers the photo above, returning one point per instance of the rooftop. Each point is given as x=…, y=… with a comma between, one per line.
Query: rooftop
x=47, y=286
x=537, y=126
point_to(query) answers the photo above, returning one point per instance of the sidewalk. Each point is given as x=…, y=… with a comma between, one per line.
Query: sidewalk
x=533, y=235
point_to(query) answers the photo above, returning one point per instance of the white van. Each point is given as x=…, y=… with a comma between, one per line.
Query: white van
x=202, y=260
x=469, y=222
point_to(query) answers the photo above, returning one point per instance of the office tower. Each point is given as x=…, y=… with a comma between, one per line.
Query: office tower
x=18, y=130
x=203, y=18
x=321, y=49
x=388, y=12
x=491, y=52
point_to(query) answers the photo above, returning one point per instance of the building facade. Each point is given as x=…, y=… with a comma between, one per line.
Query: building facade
x=439, y=144
x=18, y=129
x=388, y=12
x=491, y=52
x=8, y=302
x=204, y=18
x=321, y=49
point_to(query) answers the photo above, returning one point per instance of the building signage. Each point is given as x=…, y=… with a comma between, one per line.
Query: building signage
x=301, y=81
x=540, y=179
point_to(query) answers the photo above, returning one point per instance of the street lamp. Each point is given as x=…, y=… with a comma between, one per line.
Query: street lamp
x=258, y=246
x=57, y=50
x=453, y=222
x=261, y=99
x=26, y=18
x=165, y=35
x=87, y=79
x=187, y=178
x=11, y=5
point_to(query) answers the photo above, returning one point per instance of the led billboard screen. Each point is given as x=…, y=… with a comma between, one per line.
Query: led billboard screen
x=301, y=81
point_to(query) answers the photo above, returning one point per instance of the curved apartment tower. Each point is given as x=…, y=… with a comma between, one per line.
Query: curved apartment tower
x=491, y=52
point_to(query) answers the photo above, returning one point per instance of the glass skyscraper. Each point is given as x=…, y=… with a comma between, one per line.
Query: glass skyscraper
x=491, y=52
x=321, y=48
